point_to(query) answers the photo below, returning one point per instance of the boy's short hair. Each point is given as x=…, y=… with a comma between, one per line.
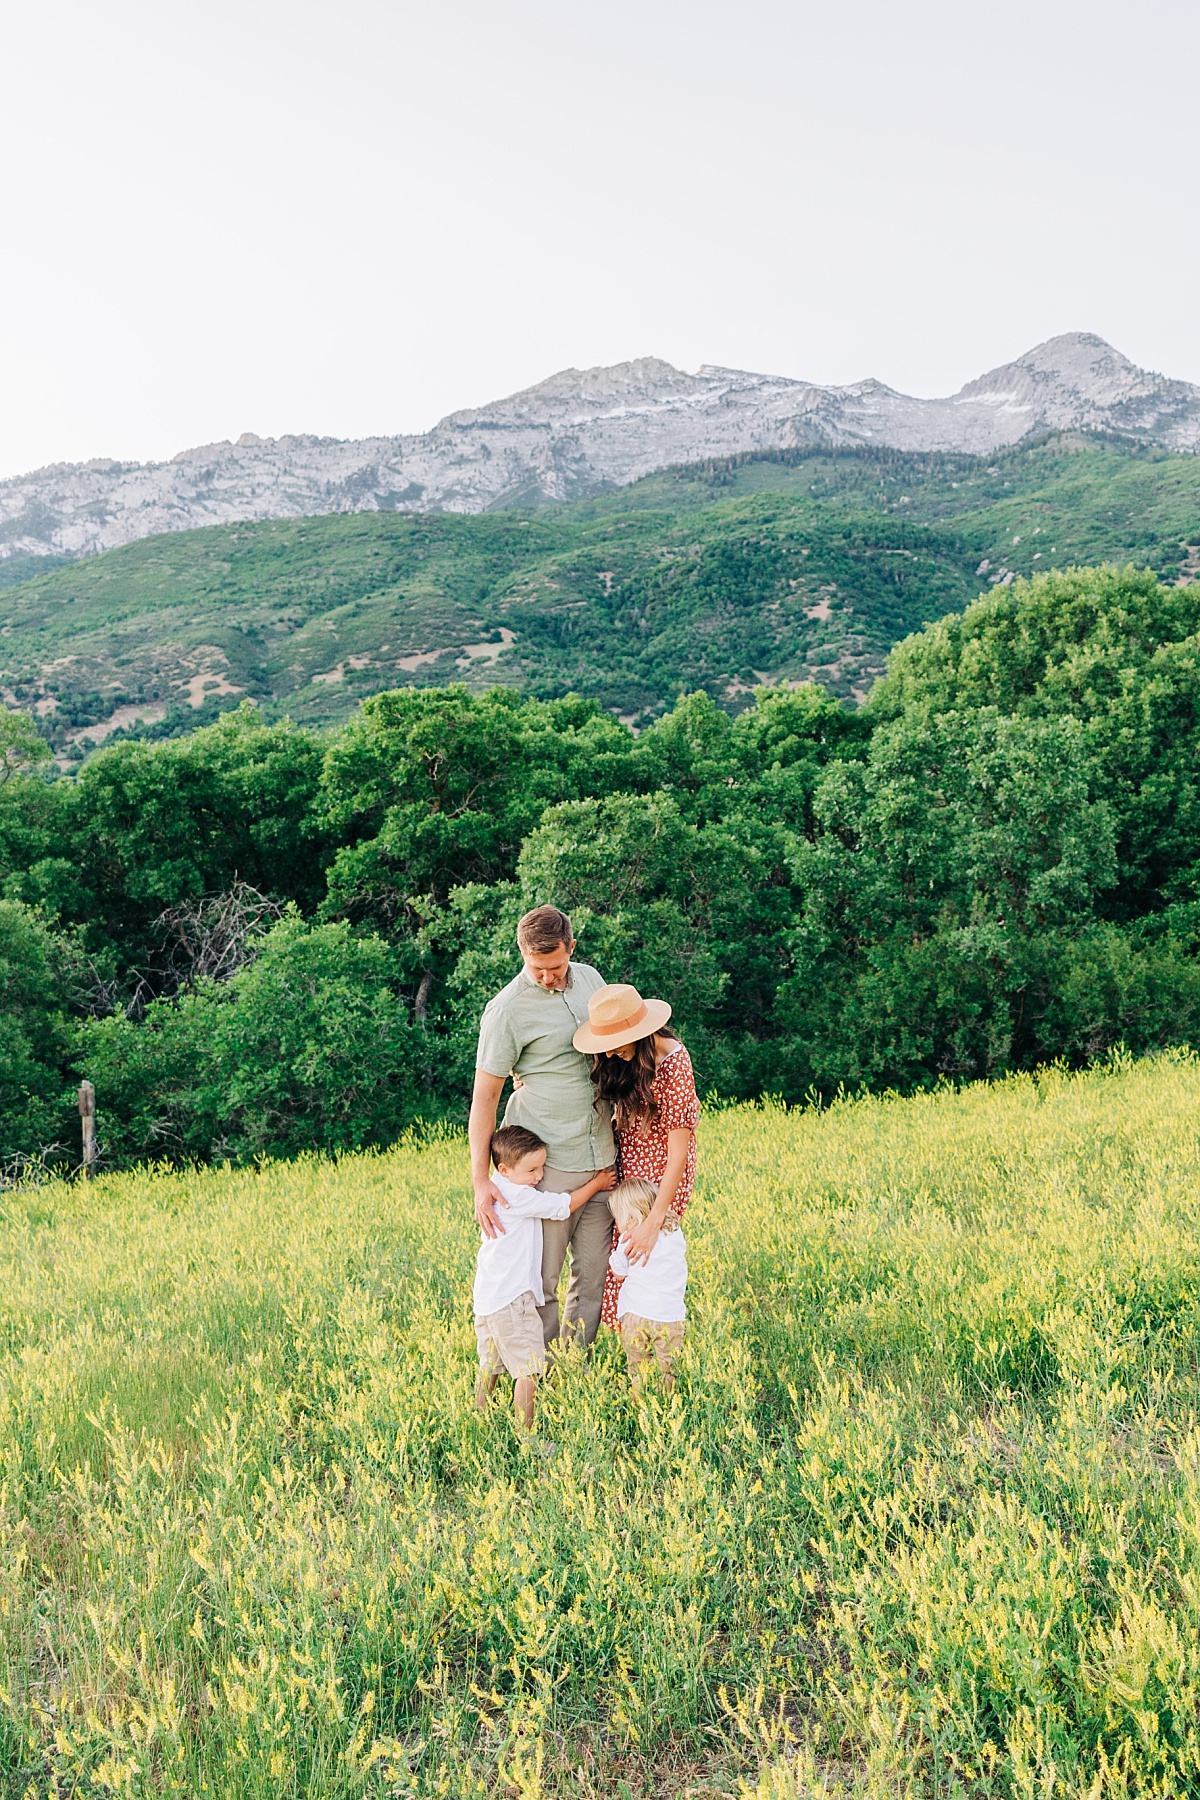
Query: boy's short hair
x=512, y=1143
x=543, y=931
x=630, y=1203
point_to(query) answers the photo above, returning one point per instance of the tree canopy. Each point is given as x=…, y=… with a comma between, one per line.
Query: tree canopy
x=991, y=864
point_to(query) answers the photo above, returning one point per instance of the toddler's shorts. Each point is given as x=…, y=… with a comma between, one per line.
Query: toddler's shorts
x=649, y=1341
x=512, y=1338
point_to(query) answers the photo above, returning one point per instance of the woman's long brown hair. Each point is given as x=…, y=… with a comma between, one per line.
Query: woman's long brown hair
x=628, y=1086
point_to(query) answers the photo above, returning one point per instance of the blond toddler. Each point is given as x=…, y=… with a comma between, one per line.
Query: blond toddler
x=650, y=1300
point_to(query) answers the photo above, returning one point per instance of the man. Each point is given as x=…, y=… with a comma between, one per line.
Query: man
x=526, y=1031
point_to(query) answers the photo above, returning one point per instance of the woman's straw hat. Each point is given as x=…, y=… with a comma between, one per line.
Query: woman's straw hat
x=618, y=1015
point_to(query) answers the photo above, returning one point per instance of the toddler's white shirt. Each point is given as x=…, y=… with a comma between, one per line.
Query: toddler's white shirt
x=653, y=1289
x=510, y=1266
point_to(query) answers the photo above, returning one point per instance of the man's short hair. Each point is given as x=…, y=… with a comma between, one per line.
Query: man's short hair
x=512, y=1143
x=543, y=930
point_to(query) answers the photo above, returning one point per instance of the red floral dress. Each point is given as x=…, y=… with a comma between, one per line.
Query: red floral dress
x=643, y=1154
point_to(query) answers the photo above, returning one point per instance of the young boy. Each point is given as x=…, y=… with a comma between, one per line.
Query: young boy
x=508, y=1271
x=650, y=1301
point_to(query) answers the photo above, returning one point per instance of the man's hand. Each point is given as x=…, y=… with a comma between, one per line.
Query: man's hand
x=487, y=1198
x=641, y=1241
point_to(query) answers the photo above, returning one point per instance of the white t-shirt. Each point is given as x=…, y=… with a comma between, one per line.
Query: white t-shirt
x=510, y=1266
x=653, y=1289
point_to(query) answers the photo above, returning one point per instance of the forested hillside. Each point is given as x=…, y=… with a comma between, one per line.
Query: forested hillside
x=261, y=938
x=718, y=577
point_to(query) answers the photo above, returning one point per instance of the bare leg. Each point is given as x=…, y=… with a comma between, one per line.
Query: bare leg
x=524, y=1395
x=485, y=1387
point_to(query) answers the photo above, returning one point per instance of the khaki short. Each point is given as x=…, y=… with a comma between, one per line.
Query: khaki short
x=512, y=1338
x=650, y=1340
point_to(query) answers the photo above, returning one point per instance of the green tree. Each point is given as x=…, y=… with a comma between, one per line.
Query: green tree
x=950, y=867
x=1136, y=984
x=769, y=759
x=34, y=1038
x=434, y=788
x=161, y=1083
x=22, y=746
x=1115, y=650
x=145, y=826
x=316, y=1049
x=682, y=881
x=308, y=1047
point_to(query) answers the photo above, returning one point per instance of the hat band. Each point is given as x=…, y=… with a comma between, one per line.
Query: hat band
x=621, y=1024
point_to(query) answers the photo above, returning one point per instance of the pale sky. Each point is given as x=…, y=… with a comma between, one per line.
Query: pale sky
x=291, y=215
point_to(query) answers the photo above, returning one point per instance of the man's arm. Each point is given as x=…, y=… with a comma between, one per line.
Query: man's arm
x=484, y=1101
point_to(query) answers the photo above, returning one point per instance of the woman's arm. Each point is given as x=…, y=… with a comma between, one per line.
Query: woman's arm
x=640, y=1242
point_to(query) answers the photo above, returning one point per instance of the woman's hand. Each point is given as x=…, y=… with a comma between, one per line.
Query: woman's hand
x=641, y=1241
x=638, y=1245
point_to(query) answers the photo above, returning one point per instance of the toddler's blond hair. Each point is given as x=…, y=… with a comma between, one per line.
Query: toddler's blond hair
x=630, y=1203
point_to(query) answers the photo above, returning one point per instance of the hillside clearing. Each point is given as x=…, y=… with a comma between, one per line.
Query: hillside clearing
x=784, y=567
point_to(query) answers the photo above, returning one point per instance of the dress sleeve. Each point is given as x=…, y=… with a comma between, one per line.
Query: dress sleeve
x=679, y=1109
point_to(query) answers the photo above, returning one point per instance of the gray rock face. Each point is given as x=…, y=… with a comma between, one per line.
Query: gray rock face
x=579, y=432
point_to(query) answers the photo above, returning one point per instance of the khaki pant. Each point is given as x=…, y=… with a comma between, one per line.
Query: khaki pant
x=588, y=1236
x=511, y=1339
x=649, y=1340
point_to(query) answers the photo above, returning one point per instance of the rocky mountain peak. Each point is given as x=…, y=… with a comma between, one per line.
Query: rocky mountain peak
x=579, y=391
x=1078, y=362
x=1078, y=380
x=583, y=430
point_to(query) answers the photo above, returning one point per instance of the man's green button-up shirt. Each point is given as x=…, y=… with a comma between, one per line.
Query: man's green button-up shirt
x=527, y=1030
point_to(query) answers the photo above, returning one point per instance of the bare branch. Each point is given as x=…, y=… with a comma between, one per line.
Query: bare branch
x=210, y=939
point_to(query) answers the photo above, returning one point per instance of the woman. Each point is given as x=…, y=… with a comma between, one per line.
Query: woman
x=646, y=1075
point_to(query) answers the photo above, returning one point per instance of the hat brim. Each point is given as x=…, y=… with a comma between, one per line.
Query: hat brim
x=655, y=1017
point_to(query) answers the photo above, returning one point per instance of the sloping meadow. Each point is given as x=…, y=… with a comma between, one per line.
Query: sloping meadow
x=921, y=1519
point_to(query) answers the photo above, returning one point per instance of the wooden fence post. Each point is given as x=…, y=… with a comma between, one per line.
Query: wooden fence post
x=87, y=1112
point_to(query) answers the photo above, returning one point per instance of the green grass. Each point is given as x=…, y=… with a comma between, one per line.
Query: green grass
x=787, y=568
x=922, y=1518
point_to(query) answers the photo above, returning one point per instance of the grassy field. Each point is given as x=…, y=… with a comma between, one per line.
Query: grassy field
x=923, y=1517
